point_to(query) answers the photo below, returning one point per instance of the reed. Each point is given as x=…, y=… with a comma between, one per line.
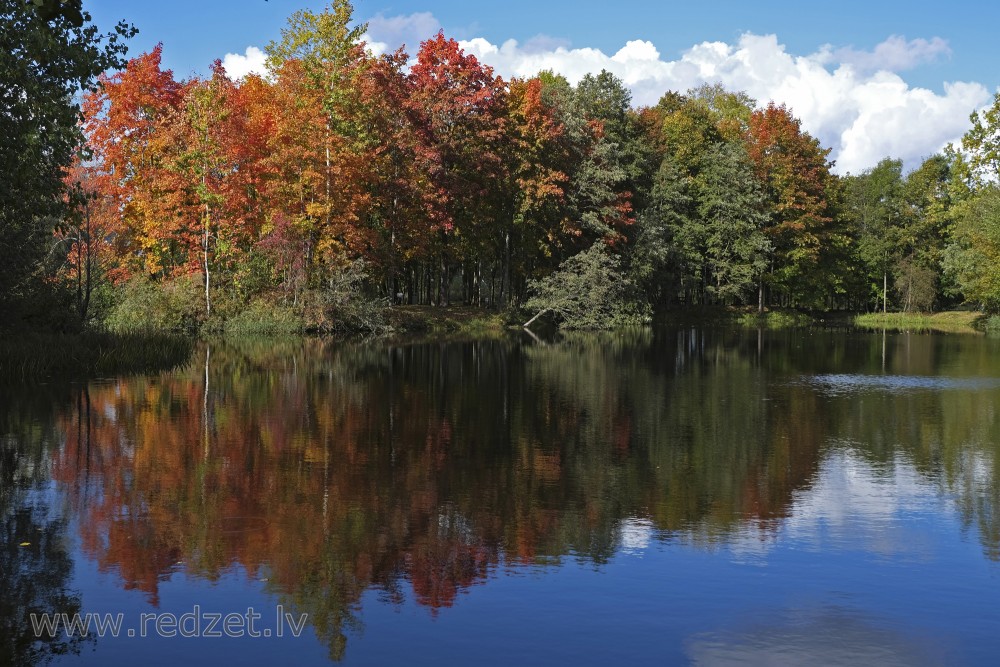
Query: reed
x=37, y=357
x=956, y=321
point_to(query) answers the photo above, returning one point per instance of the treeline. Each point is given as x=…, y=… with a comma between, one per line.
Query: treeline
x=342, y=178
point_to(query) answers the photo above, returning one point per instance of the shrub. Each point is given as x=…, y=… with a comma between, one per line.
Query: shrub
x=261, y=318
x=141, y=305
x=346, y=303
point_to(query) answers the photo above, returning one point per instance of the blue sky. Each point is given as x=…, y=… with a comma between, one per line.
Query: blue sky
x=902, y=56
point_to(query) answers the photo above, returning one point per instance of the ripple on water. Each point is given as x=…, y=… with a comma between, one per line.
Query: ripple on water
x=850, y=383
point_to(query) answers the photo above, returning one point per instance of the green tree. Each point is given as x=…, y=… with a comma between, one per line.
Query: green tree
x=620, y=149
x=327, y=46
x=973, y=257
x=664, y=259
x=875, y=202
x=731, y=207
x=981, y=144
x=926, y=220
x=588, y=291
x=700, y=232
x=605, y=98
x=731, y=111
x=49, y=52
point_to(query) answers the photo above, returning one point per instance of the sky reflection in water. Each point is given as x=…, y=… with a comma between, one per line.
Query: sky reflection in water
x=674, y=497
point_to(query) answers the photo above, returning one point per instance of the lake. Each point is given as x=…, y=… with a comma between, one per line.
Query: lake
x=705, y=497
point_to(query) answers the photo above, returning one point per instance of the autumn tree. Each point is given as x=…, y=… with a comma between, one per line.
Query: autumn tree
x=396, y=235
x=83, y=237
x=124, y=121
x=458, y=106
x=795, y=173
x=533, y=208
x=317, y=63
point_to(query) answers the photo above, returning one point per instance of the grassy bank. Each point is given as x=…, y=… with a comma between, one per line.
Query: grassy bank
x=774, y=319
x=722, y=316
x=948, y=322
x=29, y=358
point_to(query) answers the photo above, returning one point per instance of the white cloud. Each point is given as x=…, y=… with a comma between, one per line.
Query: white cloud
x=894, y=54
x=391, y=32
x=850, y=100
x=543, y=43
x=238, y=66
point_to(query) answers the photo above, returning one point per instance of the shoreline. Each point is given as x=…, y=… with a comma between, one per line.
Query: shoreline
x=39, y=356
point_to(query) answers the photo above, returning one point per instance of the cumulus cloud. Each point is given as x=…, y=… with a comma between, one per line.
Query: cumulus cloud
x=251, y=62
x=895, y=54
x=387, y=33
x=852, y=101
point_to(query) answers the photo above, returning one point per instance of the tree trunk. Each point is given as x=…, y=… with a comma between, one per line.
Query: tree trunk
x=88, y=286
x=539, y=314
x=505, y=286
x=204, y=243
x=885, y=292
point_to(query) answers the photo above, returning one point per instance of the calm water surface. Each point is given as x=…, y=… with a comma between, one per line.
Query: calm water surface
x=657, y=497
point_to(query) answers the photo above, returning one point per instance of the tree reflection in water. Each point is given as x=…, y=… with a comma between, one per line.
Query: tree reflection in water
x=35, y=561
x=330, y=468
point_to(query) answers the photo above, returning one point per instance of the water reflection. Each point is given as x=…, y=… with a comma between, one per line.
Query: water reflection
x=419, y=471
x=829, y=636
x=848, y=384
x=35, y=561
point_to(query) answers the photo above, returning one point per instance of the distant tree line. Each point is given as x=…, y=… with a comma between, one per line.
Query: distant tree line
x=434, y=181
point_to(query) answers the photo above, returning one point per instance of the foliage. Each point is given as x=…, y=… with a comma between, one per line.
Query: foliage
x=663, y=256
x=345, y=304
x=145, y=306
x=795, y=172
x=587, y=291
x=449, y=184
x=915, y=286
x=974, y=257
x=991, y=325
x=981, y=145
x=48, y=54
x=874, y=200
x=731, y=208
